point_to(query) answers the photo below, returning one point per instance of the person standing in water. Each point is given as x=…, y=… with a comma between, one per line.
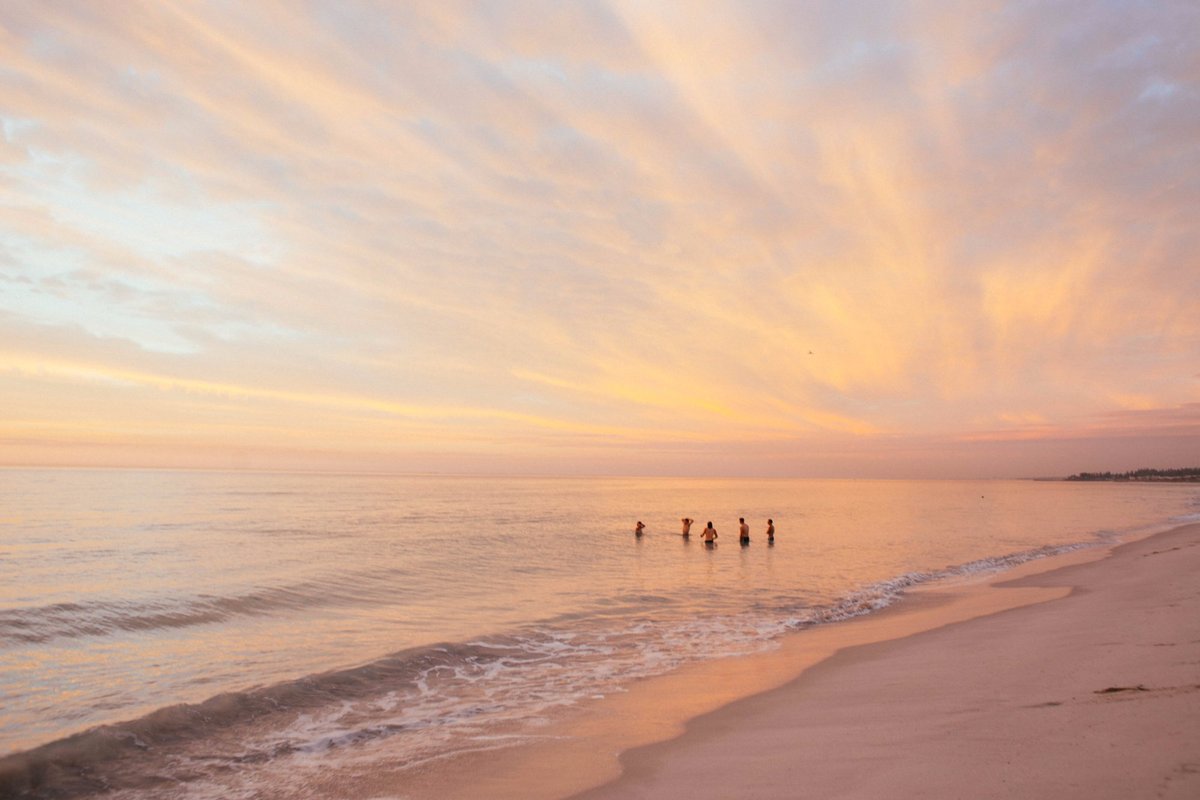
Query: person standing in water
x=638, y=530
x=710, y=535
x=743, y=531
x=770, y=531
x=687, y=526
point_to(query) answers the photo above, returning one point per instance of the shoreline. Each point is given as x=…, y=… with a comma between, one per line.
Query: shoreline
x=1090, y=689
x=613, y=746
x=608, y=748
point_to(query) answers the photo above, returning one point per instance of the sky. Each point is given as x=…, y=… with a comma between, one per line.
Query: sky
x=811, y=239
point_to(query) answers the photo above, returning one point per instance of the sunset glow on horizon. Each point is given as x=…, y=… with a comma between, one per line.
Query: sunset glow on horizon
x=758, y=238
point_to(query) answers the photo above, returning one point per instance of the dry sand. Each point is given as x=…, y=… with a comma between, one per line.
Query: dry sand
x=1089, y=688
x=1076, y=676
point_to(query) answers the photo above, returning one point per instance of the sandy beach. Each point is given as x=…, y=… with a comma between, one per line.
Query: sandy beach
x=1076, y=676
x=1089, y=687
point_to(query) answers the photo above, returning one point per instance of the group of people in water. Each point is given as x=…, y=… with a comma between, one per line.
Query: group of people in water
x=709, y=535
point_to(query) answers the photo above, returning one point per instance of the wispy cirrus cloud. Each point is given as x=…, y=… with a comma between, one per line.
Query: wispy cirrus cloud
x=631, y=225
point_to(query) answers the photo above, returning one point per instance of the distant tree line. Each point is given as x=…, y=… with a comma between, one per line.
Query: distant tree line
x=1181, y=474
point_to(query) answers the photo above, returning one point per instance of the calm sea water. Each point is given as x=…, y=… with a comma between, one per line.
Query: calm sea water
x=194, y=634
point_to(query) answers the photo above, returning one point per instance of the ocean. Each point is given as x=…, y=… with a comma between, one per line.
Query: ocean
x=189, y=634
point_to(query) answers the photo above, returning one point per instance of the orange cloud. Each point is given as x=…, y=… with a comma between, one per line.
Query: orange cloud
x=654, y=229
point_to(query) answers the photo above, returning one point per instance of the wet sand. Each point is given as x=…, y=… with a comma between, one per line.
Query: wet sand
x=1086, y=686
x=1076, y=676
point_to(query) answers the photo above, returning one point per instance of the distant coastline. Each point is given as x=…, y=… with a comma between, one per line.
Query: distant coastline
x=1181, y=475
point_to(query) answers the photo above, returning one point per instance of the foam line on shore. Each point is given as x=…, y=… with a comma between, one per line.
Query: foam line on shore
x=1017, y=702
x=584, y=751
